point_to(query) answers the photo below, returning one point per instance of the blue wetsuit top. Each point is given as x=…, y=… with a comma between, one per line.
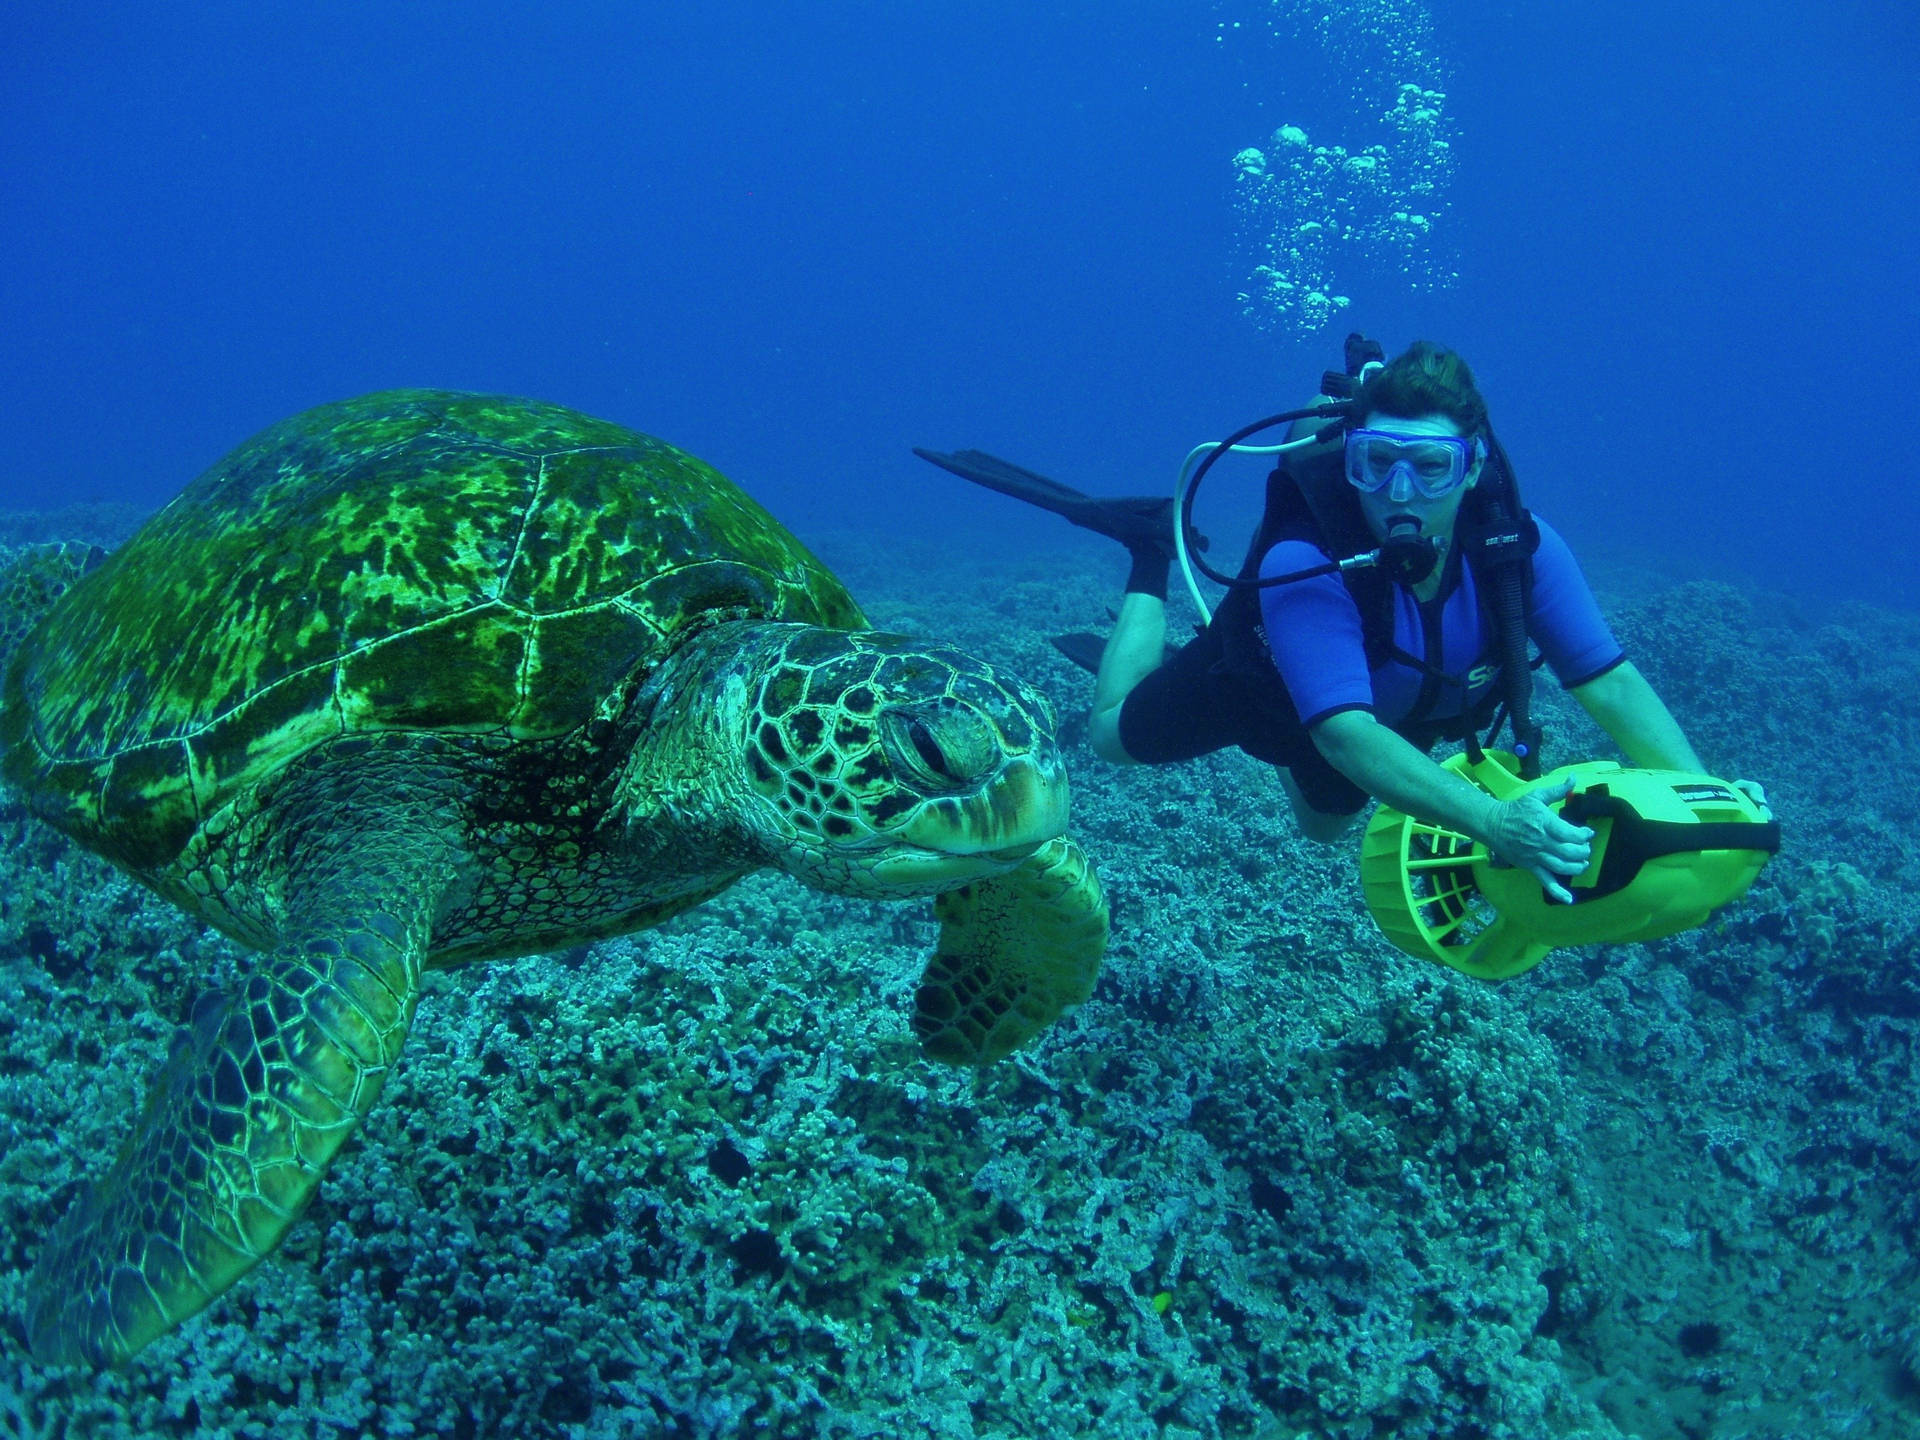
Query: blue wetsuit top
x=1313, y=628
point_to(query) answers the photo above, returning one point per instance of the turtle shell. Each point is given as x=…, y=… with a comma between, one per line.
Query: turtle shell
x=411, y=560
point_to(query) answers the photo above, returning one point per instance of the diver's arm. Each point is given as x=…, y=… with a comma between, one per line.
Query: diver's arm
x=1624, y=705
x=1523, y=831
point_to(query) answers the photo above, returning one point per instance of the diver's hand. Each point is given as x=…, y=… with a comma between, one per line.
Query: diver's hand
x=1526, y=834
x=1756, y=792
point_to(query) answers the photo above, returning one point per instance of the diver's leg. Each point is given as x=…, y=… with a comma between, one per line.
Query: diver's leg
x=1319, y=826
x=1134, y=651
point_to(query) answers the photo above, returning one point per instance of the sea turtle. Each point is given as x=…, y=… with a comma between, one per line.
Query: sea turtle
x=427, y=677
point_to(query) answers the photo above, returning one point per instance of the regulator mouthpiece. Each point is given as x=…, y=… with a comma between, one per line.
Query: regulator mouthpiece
x=1406, y=556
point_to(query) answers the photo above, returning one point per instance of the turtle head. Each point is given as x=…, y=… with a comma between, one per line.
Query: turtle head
x=888, y=766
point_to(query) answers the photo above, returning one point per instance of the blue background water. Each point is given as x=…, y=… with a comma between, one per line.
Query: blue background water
x=799, y=239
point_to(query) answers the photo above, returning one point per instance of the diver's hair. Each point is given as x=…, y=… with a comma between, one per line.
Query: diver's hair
x=1428, y=379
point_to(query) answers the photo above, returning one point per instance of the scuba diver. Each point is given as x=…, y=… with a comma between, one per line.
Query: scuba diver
x=1385, y=604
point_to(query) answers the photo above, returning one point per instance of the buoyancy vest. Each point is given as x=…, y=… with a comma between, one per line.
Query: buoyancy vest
x=1309, y=499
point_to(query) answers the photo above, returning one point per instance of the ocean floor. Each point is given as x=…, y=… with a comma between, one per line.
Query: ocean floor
x=1275, y=1180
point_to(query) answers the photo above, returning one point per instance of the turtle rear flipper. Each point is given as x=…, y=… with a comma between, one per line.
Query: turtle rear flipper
x=261, y=1089
x=1015, y=952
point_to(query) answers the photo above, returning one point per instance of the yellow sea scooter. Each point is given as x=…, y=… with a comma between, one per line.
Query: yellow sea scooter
x=1668, y=850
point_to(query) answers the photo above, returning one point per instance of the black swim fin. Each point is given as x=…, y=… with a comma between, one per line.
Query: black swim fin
x=1085, y=649
x=1139, y=522
x=1082, y=648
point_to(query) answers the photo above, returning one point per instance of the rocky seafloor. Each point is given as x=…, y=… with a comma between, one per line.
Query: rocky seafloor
x=1274, y=1180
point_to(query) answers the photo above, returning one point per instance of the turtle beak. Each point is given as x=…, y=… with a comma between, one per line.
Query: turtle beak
x=964, y=837
x=1019, y=810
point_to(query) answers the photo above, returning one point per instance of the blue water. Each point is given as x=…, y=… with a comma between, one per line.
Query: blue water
x=800, y=239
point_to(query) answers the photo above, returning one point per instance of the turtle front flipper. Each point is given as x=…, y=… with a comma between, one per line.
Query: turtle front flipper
x=261, y=1089
x=1015, y=951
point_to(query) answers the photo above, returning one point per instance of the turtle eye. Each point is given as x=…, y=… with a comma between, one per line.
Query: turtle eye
x=938, y=750
x=932, y=757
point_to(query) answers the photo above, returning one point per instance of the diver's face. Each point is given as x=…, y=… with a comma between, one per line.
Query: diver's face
x=1398, y=502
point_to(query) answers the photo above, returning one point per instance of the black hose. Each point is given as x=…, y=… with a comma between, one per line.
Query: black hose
x=1330, y=410
x=1504, y=558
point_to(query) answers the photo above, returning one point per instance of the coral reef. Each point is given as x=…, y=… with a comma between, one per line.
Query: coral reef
x=1273, y=1180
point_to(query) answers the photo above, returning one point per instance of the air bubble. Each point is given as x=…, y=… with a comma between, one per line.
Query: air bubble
x=1314, y=216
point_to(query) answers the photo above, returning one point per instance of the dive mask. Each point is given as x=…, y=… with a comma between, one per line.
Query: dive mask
x=1434, y=465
